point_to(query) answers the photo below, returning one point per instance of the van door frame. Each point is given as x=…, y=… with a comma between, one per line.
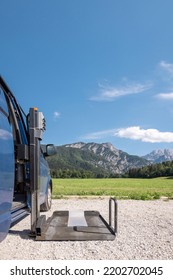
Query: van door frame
x=7, y=168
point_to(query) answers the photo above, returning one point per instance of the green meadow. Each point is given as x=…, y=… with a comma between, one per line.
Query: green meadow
x=143, y=189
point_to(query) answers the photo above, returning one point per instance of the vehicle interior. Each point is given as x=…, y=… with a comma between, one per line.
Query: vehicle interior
x=21, y=165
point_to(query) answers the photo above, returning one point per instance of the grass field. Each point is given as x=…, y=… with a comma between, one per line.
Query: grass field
x=143, y=189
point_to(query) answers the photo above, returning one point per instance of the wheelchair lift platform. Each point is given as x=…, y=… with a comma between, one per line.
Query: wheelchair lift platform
x=62, y=225
x=77, y=225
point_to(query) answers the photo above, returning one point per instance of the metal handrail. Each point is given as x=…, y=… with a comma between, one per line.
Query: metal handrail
x=113, y=201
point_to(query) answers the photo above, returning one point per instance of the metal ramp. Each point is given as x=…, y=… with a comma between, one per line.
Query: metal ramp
x=77, y=225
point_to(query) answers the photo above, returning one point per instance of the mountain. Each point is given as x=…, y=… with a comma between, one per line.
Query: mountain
x=97, y=158
x=108, y=157
x=161, y=155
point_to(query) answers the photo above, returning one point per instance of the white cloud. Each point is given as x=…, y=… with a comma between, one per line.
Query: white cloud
x=111, y=93
x=166, y=77
x=56, y=115
x=145, y=135
x=135, y=133
x=99, y=134
x=168, y=67
x=165, y=96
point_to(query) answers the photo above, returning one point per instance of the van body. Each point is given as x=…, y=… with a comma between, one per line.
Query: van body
x=15, y=195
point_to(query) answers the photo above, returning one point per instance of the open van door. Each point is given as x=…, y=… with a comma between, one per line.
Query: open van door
x=7, y=166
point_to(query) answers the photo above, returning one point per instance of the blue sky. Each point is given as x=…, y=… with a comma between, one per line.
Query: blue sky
x=99, y=70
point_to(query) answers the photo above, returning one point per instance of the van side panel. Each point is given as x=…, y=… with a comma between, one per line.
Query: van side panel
x=6, y=168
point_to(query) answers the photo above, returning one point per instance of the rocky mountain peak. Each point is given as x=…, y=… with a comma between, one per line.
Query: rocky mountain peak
x=109, y=146
x=77, y=145
x=160, y=155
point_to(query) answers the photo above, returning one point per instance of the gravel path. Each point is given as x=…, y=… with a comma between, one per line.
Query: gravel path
x=145, y=231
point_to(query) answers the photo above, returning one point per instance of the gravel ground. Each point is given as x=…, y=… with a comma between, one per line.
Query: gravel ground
x=145, y=231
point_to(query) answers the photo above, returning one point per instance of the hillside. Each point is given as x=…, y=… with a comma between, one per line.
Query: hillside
x=97, y=159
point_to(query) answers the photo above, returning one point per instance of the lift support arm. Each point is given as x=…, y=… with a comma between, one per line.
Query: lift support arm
x=36, y=127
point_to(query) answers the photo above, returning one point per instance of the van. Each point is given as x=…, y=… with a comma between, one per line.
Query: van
x=15, y=195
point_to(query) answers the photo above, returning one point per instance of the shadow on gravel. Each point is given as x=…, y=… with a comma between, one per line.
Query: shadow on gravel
x=24, y=234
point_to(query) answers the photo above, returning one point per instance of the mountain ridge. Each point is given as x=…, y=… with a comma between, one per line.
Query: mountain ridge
x=155, y=156
x=160, y=155
x=98, y=158
x=102, y=159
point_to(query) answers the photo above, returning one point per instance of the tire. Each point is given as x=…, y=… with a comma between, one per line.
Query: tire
x=46, y=206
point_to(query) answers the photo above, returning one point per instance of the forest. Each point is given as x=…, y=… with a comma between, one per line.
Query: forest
x=164, y=169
